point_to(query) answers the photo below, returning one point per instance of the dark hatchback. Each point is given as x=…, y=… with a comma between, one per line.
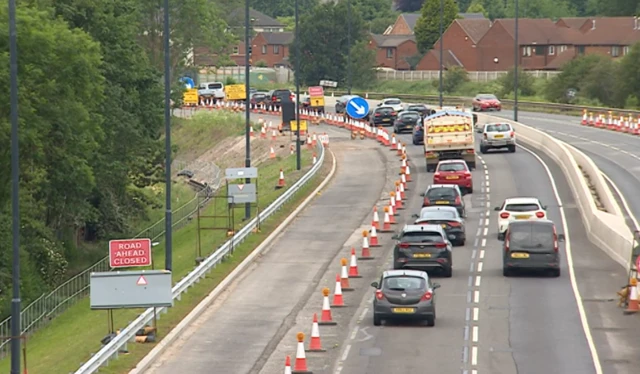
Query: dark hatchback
x=276, y=97
x=422, y=109
x=423, y=247
x=417, y=136
x=406, y=121
x=258, y=99
x=384, y=116
x=531, y=245
x=448, y=218
x=444, y=194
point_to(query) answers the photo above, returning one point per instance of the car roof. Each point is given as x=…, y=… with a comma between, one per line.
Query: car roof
x=391, y=98
x=414, y=228
x=521, y=200
x=401, y=272
x=452, y=186
x=544, y=221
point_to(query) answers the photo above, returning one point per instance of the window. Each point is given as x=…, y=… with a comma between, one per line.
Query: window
x=404, y=283
x=580, y=49
x=561, y=49
x=625, y=50
x=389, y=52
x=539, y=51
x=532, y=237
x=526, y=51
x=525, y=207
x=458, y=166
x=264, y=49
x=438, y=215
x=552, y=50
x=236, y=50
x=276, y=49
x=615, y=51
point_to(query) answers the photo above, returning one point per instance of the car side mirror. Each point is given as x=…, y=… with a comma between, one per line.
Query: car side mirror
x=561, y=238
x=435, y=286
x=415, y=216
x=379, y=104
x=395, y=237
x=497, y=209
x=544, y=207
x=422, y=194
x=449, y=243
x=374, y=284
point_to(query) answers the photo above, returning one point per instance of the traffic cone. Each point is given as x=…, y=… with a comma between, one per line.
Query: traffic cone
x=315, y=345
x=393, y=142
x=292, y=150
x=403, y=186
x=404, y=150
x=353, y=265
x=338, y=300
x=287, y=365
x=633, y=306
x=386, y=224
x=309, y=144
x=315, y=159
x=403, y=166
x=274, y=135
x=398, y=205
x=263, y=132
x=376, y=219
x=325, y=317
x=399, y=149
x=344, y=276
x=281, y=182
x=365, y=252
x=272, y=153
x=251, y=133
x=392, y=203
x=373, y=242
x=584, y=117
x=407, y=173
x=300, y=367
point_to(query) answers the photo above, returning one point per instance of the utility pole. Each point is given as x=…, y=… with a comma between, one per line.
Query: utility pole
x=297, y=77
x=516, y=57
x=168, y=255
x=349, y=47
x=441, y=74
x=247, y=88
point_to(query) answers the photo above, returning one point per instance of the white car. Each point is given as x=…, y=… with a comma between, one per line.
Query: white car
x=496, y=136
x=393, y=102
x=519, y=208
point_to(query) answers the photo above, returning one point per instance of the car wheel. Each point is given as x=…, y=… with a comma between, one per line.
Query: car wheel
x=448, y=272
x=506, y=272
x=470, y=190
x=512, y=149
x=500, y=236
x=555, y=273
x=377, y=321
x=431, y=321
x=483, y=150
x=461, y=242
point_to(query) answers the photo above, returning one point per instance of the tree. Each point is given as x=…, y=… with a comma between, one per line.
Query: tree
x=283, y=8
x=540, y=9
x=377, y=14
x=629, y=75
x=409, y=6
x=427, y=29
x=477, y=7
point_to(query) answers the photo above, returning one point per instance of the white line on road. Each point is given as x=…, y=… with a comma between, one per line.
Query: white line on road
x=482, y=250
x=484, y=244
x=474, y=334
x=474, y=356
x=345, y=354
x=476, y=297
x=476, y=314
x=354, y=333
x=486, y=220
x=478, y=280
x=480, y=267
x=485, y=231
x=364, y=313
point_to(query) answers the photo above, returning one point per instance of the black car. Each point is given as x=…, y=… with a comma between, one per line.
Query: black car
x=341, y=103
x=423, y=247
x=417, y=135
x=406, y=121
x=421, y=108
x=531, y=245
x=276, y=97
x=448, y=218
x=444, y=194
x=384, y=116
x=258, y=99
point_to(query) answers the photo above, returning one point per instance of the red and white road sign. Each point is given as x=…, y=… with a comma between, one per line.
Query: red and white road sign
x=142, y=281
x=129, y=253
x=638, y=263
x=316, y=91
x=324, y=139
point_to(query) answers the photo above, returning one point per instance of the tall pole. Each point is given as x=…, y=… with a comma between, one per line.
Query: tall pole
x=516, y=57
x=297, y=77
x=247, y=103
x=16, y=324
x=349, y=47
x=168, y=254
x=441, y=74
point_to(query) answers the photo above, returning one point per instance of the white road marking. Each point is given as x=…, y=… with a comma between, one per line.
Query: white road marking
x=354, y=333
x=345, y=354
x=484, y=244
x=488, y=189
x=486, y=171
x=482, y=252
x=486, y=222
x=479, y=231
x=474, y=371
x=364, y=313
x=488, y=204
x=572, y=276
x=486, y=177
x=485, y=232
x=474, y=355
x=480, y=267
x=478, y=280
x=476, y=314
x=474, y=334
x=476, y=297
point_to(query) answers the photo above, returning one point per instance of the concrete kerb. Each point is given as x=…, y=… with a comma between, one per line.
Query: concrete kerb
x=262, y=249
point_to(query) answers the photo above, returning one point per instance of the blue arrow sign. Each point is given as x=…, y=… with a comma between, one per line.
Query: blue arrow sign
x=357, y=108
x=188, y=82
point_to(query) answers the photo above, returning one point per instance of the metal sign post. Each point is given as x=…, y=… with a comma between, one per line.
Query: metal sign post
x=217, y=221
x=243, y=192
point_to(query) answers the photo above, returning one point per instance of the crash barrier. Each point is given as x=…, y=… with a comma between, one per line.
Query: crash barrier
x=118, y=344
x=607, y=229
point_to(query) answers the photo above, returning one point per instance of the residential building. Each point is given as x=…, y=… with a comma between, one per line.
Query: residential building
x=392, y=51
x=460, y=40
x=271, y=48
x=260, y=22
x=611, y=36
x=406, y=22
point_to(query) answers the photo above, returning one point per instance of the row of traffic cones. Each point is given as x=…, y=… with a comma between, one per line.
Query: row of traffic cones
x=626, y=124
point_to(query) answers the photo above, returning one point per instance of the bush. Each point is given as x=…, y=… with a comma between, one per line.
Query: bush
x=526, y=84
x=454, y=78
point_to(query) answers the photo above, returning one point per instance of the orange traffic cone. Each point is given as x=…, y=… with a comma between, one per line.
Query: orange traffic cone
x=403, y=166
x=353, y=265
x=403, y=186
x=292, y=150
x=633, y=306
x=376, y=219
x=325, y=317
x=394, y=144
x=300, y=366
x=274, y=135
x=344, y=276
x=338, y=300
x=392, y=203
x=407, y=174
x=263, y=132
x=398, y=205
x=272, y=153
x=315, y=159
x=287, y=365
x=373, y=242
x=399, y=149
x=365, y=252
x=386, y=224
x=404, y=151
x=309, y=144
x=281, y=182
x=251, y=133
x=314, y=344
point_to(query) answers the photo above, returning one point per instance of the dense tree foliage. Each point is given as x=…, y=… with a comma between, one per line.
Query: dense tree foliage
x=427, y=29
x=282, y=8
x=408, y=6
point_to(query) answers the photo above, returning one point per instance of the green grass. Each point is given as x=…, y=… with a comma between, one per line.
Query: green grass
x=194, y=136
x=69, y=340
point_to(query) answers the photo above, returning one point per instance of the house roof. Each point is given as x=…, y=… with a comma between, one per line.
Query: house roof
x=540, y=31
x=277, y=38
x=475, y=27
x=610, y=31
x=448, y=56
x=472, y=15
x=259, y=19
x=573, y=22
x=391, y=41
x=410, y=19
x=561, y=59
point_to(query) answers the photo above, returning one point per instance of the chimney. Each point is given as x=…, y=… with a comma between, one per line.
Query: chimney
x=635, y=23
x=593, y=24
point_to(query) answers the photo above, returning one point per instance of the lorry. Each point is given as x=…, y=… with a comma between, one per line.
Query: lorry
x=448, y=134
x=211, y=92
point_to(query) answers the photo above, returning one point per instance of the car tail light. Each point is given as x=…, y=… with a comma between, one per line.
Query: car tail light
x=504, y=215
x=292, y=96
x=417, y=128
x=427, y=296
x=379, y=295
x=555, y=240
x=485, y=136
x=426, y=201
x=428, y=154
x=512, y=134
x=441, y=245
x=454, y=224
x=393, y=113
x=471, y=151
x=377, y=114
x=404, y=245
x=458, y=200
x=436, y=175
x=274, y=98
x=540, y=214
x=467, y=174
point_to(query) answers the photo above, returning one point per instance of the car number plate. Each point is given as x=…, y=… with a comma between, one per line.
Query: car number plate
x=404, y=310
x=442, y=202
x=444, y=226
x=422, y=255
x=453, y=177
x=499, y=136
x=519, y=255
x=386, y=119
x=523, y=216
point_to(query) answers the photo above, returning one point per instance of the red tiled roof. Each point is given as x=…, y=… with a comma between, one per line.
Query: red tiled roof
x=561, y=59
x=574, y=22
x=474, y=27
x=540, y=31
x=610, y=31
x=449, y=57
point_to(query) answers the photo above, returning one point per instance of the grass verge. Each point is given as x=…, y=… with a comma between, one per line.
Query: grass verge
x=70, y=338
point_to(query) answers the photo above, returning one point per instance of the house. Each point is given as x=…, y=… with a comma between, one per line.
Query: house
x=460, y=40
x=392, y=51
x=540, y=41
x=611, y=36
x=406, y=22
x=271, y=48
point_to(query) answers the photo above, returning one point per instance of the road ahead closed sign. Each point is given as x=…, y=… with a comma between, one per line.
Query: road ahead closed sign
x=129, y=253
x=235, y=92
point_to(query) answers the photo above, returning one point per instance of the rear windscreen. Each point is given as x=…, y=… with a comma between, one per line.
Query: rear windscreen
x=498, y=128
x=417, y=108
x=384, y=110
x=442, y=194
x=521, y=207
x=393, y=102
x=532, y=237
x=410, y=117
x=215, y=86
x=441, y=214
x=458, y=166
x=404, y=283
x=422, y=237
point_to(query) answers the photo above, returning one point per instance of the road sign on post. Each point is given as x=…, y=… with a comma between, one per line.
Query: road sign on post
x=190, y=97
x=357, y=107
x=129, y=253
x=242, y=193
x=130, y=289
x=316, y=96
x=235, y=92
x=328, y=83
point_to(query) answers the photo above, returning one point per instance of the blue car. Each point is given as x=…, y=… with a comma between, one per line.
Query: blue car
x=418, y=134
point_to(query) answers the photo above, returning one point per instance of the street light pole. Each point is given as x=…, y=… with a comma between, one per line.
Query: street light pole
x=16, y=324
x=247, y=113
x=168, y=255
x=297, y=77
x=441, y=84
x=516, y=57
x=349, y=47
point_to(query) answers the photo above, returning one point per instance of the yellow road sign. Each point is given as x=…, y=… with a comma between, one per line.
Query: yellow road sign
x=303, y=125
x=190, y=97
x=317, y=101
x=235, y=92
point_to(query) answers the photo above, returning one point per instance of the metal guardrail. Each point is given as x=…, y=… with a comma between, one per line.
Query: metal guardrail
x=457, y=100
x=118, y=343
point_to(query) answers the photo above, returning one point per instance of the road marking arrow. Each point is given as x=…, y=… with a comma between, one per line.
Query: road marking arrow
x=359, y=109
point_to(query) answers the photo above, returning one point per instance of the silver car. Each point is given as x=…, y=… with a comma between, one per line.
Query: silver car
x=496, y=136
x=404, y=294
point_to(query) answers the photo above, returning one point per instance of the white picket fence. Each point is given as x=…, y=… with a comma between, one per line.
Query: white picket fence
x=474, y=76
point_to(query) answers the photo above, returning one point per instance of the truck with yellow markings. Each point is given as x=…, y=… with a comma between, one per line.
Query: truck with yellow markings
x=448, y=134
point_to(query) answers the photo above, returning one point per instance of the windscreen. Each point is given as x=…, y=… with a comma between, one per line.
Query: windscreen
x=384, y=110
x=392, y=102
x=500, y=127
x=521, y=207
x=417, y=108
x=438, y=214
x=215, y=86
x=457, y=166
x=532, y=237
x=410, y=116
x=441, y=194
x=404, y=283
x=487, y=97
x=422, y=237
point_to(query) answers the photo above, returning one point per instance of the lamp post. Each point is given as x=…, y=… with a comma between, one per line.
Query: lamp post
x=297, y=78
x=516, y=56
x=348, y=46
x=16, y=324
x=247, y=89
x=441, y=73
x=168, y=254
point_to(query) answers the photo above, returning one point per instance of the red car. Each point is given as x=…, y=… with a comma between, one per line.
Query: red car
x=454, y=172
x=486, y=102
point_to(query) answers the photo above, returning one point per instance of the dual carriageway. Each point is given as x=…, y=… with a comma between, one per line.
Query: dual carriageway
x=486, y=323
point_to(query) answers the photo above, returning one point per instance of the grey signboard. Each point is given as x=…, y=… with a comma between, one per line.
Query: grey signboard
x=236, y=173
x=242, y=193
x=131, y=289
